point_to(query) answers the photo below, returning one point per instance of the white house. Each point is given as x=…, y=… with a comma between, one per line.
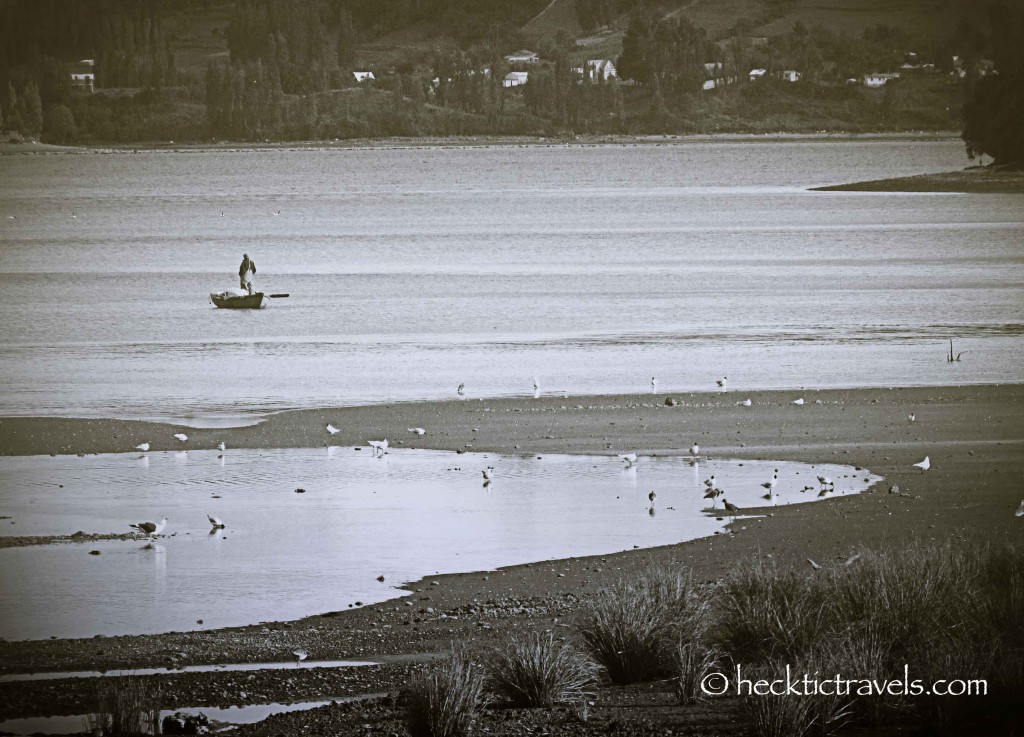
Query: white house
x=602, y=69
x=363, y=76
x=879, y=79
x=82, y=75
x=756, y=74
x=790, y=75
x=515, y=79
x=523, y=56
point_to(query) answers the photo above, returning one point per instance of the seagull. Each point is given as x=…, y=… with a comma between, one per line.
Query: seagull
x=332, y=429
x=911, y=417
x=629, y=458
x=221, y=447
x=722, y=382
x=924, y=465
x=771, y=484
x=654, y=384
x=181, y=436
x=215, y=522
x=461, y=390
x=729, y=506
x=417, y=430
x=379, y=446
x=488, y=478
x=694, y=449
x=1020, y=510
x=652, y=496
x=798, y=401
x=150, y=529
x=300, y=655
x=142, y=446
x=744, y=403
x=815, y=566
x=536, y=384
x=710, y=483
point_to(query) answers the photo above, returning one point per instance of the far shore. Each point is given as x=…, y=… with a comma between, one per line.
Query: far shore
x=976, y=179
x=973, y=435
x=475, y=141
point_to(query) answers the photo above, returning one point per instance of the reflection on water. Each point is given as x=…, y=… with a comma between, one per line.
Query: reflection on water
x=283, y=555
x=249, y=714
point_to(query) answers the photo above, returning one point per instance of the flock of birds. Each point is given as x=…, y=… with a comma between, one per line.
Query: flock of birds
x=711, y=488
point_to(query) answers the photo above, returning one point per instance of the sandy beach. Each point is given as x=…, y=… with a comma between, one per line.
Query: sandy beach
x=973, y=434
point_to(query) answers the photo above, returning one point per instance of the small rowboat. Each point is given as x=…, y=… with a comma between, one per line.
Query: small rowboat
x=234, y=301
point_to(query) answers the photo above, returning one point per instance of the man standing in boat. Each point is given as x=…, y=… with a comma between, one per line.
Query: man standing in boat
x=245, y=272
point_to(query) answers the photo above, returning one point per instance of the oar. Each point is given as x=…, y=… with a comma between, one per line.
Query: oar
x=278, y=296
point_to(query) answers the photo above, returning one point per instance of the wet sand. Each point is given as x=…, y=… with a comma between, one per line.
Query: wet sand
x=974, y=436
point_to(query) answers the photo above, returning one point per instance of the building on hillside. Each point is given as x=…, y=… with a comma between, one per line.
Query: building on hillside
x=600, y=70
x=523, y=56
x=879, y=79
x=713, y=68
x=756, y=74
x=83, y=76
x=790, y=75
x=361, y=77
x=515, y=79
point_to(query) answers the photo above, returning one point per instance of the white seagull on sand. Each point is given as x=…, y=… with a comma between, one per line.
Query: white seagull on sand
x=332, y=429
x=744, y=403
x=628, y=458
x=142, y=446
x=300, y=655
x=798, y=401
x=150, y=529
x=924, y=465
x=221, y=447
x=911, y=417
x=181, y=436
x=215, y=522
x=417, y=430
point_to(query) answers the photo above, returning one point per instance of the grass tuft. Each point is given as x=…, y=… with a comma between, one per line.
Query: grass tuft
x=537, y=671
x=445, y=700
x=126, y=706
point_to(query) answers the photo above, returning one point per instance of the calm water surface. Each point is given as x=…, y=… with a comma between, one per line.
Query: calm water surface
x=284, y=555
x=412, y=270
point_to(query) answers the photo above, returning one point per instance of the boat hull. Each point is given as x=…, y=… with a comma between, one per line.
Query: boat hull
x=235, y=302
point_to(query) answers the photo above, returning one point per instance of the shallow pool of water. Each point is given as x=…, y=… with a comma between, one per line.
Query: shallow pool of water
x=285, y=555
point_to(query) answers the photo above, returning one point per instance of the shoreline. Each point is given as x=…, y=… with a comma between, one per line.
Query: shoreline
x=474, y=142
x=973, y=435
x=975, y=180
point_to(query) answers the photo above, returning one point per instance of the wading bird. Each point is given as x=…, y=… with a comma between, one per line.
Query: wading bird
x=142, y=446
x=181, y=436
x=332, y=429
x=628, y=458
x=215, y=522
x=379, y=446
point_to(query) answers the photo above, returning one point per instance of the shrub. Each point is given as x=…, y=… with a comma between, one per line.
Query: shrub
x=535, y=670
x=632, y=629
x=445, y=700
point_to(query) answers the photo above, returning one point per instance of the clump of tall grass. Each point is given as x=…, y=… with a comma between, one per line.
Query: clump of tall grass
x=445, y=700
x=693, y=662
x=126, y=706
x=777, y=715
x=536, y=670
x=632, y=628
x=763, y=613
